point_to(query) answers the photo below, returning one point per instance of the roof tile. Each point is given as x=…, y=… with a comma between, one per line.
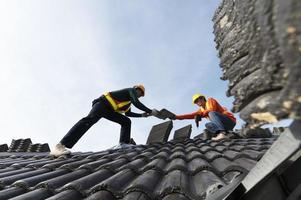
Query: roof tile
x=88, y=181
x=102, y=194
x=11, y=192
x=136, y=196
x=38, y=194
x=190, y=169
x=67, y=194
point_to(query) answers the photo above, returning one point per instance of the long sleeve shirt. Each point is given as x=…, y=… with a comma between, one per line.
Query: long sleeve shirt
x=129, y=94
x=211, y=105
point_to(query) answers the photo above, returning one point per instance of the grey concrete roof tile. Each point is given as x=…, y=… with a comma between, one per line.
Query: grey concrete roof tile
x=205, y=181
x=39, y=194
x=191, y=148
x=228, y=143
x=167, y=147
x=164, y=113
x=19, y=145
x=176, y=164
x=73, y=165
x=230, y=176
x=94, y=164
x=255, y=155
x=231, y=154
x=153, y=148
x=34, y=180
x=111, y=156
x=221, y=164
x=97, y=155
x=142, y=172
x=41, y=163
x=103, y=194
x=194, y=154
x=58, y=163
x=211, y=155
x=3, y=147
x=178, y=147
x=237, y=147
x=206, y=148
x=130, y=155
x=215, y=143
x=14, y=172
x=10, y=162
x=145, y=182
x=175, y=196
x=177, y=154
x=114, y=165
x=198, y=164
x=66, y=195
x=183, y=133
x=58, y=182
x=4, y=181
x=116, y=183
x=11, y=192
x=246, y=163
x=88, y=181
x=135, y=164
x=80, y=155
x=145, y=155
x=9, y=169
x=136, y=196
x=158, y=163
x=160, y=132
x=175, y=181
x=162, y=154
x=25, y=163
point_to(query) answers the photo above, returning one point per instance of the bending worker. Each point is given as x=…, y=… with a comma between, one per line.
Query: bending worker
x=221, y=120
x=110, y=106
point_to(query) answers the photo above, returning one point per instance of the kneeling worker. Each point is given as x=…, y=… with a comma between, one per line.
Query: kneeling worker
x=222, y=120
x=110, y=106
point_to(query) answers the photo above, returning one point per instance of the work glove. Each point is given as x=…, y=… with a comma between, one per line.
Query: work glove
x=145, y=114
x=197, y=119
x=154, y=113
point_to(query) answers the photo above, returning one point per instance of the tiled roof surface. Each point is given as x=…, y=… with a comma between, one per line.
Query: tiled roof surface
x=186, y=170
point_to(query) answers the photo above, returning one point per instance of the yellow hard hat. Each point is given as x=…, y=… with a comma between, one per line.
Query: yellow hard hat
x=141, y=87
x=196, y=97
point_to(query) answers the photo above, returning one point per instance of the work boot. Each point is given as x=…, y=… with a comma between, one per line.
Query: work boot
x=59, y=150
x=132, y=141
x=220, y=136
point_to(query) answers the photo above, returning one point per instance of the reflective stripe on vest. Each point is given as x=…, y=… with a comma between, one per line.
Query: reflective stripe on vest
x=224, y=112
x=117, y=105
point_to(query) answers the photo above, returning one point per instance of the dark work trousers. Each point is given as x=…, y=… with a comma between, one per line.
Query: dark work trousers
x=99, y=109
x=219, y=122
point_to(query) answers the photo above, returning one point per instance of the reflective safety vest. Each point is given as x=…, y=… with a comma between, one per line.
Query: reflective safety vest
x=212, y=104
x=120, y=107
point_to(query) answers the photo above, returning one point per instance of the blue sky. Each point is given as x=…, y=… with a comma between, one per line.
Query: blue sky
x=57, y=56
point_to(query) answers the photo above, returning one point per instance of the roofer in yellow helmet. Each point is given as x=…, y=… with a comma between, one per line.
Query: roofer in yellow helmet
x=111, y=106
x=221, y=120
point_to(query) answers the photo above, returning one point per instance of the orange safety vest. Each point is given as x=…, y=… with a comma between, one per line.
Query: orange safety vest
x=218, y=108
x=116, y=105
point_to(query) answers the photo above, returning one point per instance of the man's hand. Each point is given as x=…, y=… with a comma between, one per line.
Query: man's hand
x=145, y=114
x=154, y=113
x=197, y=119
